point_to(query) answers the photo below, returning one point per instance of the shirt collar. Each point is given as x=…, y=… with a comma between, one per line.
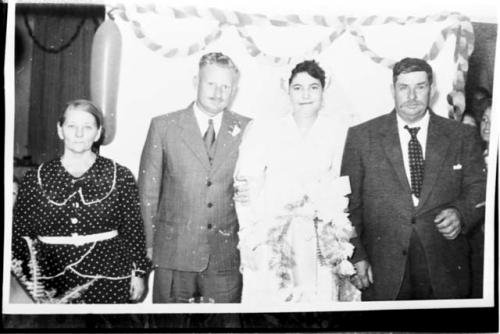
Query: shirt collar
x=203, y=118
x=422, y=123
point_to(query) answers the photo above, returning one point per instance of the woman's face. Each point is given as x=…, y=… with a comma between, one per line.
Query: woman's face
x=485, y=125
x=79, y=130
x=306, y=93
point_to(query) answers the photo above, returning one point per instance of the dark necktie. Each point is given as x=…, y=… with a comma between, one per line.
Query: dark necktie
x=209, y=139
x=416, y=162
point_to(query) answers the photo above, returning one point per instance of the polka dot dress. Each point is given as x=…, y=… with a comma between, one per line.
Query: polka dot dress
x=51, y=203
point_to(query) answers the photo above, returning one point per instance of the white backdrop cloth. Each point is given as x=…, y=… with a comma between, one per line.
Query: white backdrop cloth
x=152, y=83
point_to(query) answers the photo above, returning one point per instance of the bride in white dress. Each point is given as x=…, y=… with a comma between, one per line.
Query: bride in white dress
x=294, y=233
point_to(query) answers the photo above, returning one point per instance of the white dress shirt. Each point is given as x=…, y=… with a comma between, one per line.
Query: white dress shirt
x=202, y=118
x=404, y=138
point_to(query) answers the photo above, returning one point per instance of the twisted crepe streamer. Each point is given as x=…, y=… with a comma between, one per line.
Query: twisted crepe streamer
x=461, y=27
x=161, y=49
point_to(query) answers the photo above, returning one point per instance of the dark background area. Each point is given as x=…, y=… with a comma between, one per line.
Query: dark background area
x=60, y=40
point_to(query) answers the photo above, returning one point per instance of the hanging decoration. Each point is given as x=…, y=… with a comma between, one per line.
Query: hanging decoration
x=53, y=49
x=105, y=73
x=460, y=27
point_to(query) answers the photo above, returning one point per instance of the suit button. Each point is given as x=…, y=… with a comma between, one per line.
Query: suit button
x=209, y=183
x=404, y=252
x=210, y=205
x=413, y=221
x=209, y=226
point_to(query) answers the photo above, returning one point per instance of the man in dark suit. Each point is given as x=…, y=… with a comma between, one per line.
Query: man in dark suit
x=418, y=187
x=186, y=189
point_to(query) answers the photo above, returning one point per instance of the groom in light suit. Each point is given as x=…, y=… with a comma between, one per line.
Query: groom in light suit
x=418, y=187
x=186, y=190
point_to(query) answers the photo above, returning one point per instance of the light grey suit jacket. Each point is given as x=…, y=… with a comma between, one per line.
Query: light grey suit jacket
x=187, y=203
x=382, y=210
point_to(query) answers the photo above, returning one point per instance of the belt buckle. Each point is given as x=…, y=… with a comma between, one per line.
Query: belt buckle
x=76, y=242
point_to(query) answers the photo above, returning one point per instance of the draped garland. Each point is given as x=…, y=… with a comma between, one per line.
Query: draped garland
x=51, y=48
x=460, y=27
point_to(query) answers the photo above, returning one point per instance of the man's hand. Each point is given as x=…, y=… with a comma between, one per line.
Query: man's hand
x=137, y=288
x=149, y=253
x=364, y=276
x=448, y=223
x=241, y=190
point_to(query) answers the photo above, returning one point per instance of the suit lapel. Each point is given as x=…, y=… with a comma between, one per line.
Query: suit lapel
x=227, y=138
x=392, y=147
x=191, y=135
x=435, y=153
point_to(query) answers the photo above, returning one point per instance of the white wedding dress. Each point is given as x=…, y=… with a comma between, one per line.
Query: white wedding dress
x=282, y=165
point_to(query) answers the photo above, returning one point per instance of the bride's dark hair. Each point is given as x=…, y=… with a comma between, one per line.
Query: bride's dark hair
x=312, y=68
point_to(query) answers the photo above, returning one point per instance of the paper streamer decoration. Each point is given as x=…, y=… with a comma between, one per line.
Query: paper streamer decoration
x=104, y=74
x=460, y=26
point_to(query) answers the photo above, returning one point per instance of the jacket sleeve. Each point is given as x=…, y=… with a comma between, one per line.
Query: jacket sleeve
x=251, y=165
x=352, y=166
x=150, y=180
x=24, y=218
x=131, y=227
x=470, y=202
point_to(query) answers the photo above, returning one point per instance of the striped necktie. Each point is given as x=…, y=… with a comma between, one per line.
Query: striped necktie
x=209, y=139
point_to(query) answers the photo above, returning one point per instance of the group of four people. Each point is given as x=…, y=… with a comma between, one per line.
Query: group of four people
x=216, y=187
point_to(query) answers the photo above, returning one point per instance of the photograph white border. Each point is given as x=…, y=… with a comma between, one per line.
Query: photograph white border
x=8, y=308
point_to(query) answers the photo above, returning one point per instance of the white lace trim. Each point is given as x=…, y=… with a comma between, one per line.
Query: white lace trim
x=72, y=265
x=79, y=191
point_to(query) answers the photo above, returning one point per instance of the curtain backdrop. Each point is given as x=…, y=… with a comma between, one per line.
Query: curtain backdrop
x=58, y=77
x=161, y=47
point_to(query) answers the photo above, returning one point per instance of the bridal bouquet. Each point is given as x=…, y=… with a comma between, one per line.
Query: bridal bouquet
x=323, y=206
x=333, y=228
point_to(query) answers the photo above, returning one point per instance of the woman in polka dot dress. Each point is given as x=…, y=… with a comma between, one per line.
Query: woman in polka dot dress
x=82, y=213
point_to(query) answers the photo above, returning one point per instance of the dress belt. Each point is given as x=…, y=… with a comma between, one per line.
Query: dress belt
x=78, y=240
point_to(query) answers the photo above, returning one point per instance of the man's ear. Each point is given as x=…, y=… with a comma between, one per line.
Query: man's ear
x=433, y=90
x=234, y=92
x=393, y=90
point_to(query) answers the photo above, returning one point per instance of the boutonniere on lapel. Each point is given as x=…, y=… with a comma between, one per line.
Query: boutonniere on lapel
x=235, y=128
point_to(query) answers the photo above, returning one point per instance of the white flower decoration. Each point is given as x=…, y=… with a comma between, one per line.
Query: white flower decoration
x=235, y=129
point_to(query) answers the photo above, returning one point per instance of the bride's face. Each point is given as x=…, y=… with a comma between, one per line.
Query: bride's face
x=306, y=93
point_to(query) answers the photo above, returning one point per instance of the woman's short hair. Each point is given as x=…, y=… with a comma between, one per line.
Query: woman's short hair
x=91, y=108
x=409, y=65
x=312, y=68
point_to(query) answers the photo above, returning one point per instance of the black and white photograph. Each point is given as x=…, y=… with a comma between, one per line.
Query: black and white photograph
x=238, y=165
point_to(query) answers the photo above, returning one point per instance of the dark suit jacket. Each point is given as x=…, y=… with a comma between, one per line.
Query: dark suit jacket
x=187, y=204
x=383, y=213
